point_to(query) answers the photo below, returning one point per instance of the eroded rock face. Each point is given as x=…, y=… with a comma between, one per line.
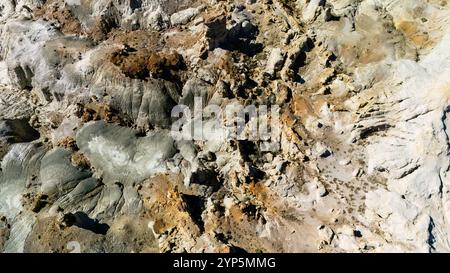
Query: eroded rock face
x=358, y=161
x=119, y=156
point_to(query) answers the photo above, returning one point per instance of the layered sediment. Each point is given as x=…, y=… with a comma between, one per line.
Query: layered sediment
x=359, y=154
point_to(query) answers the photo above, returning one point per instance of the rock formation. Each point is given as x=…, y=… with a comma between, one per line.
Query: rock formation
x=359, y=152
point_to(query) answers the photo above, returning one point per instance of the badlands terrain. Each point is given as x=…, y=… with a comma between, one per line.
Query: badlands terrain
x=359, y=154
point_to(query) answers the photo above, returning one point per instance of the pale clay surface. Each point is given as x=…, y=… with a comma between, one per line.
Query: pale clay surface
x=86, y=91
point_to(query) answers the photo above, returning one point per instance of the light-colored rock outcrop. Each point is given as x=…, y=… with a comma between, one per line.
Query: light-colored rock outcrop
x=355, y=159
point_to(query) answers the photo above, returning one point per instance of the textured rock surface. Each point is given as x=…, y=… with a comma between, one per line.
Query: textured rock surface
x=88, y=162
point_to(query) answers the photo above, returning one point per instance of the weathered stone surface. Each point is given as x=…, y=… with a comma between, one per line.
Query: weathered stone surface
x=358, y=161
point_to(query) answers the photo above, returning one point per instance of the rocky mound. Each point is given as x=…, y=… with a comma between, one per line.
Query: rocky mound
x=356, y=157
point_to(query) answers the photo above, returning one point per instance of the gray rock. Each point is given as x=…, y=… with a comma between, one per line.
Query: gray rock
x=275, y=62
x=117, y=154
x=15, y=131
x=58, y=175
x=184, y=16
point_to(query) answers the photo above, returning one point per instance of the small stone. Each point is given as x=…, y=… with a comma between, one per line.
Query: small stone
x=275, y=62
x=322, y=192
x=344, y=162
x=310, y=13
x=269, y=157
x=184, y=16
x=357, y=172
x=322, y=150
x=326, y=234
